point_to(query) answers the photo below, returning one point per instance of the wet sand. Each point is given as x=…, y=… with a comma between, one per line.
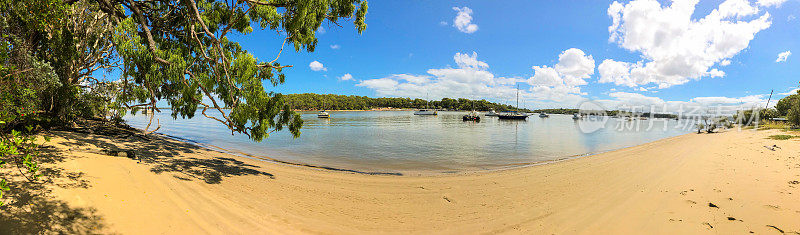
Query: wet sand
x=726, y=183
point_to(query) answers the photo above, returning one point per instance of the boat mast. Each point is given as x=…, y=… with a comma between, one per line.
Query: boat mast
x=518, y=98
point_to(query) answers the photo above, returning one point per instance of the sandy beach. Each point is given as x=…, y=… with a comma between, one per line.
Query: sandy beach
x=722, y=183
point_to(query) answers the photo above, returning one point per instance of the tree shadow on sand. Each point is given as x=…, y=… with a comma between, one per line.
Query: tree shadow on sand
x=164, y=155
x=29, y=207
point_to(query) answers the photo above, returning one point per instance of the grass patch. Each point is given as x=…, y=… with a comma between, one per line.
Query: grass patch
x=766, y=125
x=782, y=137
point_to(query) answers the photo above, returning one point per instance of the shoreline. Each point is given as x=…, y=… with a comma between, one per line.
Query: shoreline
x=492, y=168
x=664, y=186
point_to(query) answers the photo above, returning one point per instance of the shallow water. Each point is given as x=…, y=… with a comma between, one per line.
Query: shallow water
x=398, y=141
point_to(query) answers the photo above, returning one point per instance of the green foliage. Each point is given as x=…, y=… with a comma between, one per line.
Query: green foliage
x=782, y=137
x=21, y=150
x=186, y=58
x=785, y=104
x=754, y=116
x=310, y=101
x=794, y=113
x=174, y=51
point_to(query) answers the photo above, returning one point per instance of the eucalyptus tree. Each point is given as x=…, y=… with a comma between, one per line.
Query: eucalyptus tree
x=180, y=51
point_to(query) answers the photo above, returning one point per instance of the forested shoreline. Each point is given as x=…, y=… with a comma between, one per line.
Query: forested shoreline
x=311, y=101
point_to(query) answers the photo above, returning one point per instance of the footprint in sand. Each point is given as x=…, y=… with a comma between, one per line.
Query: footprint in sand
x=691, y=202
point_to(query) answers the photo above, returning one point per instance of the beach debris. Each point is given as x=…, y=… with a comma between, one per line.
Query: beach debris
x=446, y=199
x=712, y=205
x=731, y=218
x=770, y=148
x=709, y=225
x=776, y=228
x=794, y=182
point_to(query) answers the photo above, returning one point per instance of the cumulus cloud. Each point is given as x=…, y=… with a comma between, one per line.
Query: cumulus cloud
x=346, y=77
x=562, y=82
x=317, y=66
x=725, y=63
x=770, y=3
x=676, y=48
x=463, y=20
x=783, y=56
x=698, y=105
x=469, y=79
x=335, y=46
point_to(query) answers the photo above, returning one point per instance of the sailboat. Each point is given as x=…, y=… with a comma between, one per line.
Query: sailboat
x=426, y=110
x=322, y=113
x=491, y=113
x=515, y=115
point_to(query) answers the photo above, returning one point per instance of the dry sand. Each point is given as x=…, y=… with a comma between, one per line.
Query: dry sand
x=663, y=187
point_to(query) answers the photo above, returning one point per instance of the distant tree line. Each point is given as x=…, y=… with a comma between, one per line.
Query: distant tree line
x=607, y=113
x=311, y=101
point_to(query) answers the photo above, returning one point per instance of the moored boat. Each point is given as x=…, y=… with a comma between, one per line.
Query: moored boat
x=472, y=116
x=515, y=115
x=426, y=112
x=323, y=114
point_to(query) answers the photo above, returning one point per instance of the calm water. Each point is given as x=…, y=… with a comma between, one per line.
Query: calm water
x=397, y=141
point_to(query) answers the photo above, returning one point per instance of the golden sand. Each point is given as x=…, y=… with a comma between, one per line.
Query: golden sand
x=663, y=187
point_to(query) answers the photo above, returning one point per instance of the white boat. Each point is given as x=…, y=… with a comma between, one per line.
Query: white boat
x=543, y=115
x=491, y=113
x=323, y=114
x=426, y=112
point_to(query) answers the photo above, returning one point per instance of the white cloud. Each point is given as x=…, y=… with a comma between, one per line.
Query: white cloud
x=790, y=18
x=463, y=20
x=575, y=66
x=561, y=82
x=783, y=56
x=725, y=63
x=791, y=92
x=697, y=105
x=335, y=46
x=346, y=77
x=469, y=79
x=317, y=66
x=676, y=48
x=443, y=23
x=769, y=3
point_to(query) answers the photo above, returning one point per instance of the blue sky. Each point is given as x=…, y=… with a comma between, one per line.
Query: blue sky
x=709, y=53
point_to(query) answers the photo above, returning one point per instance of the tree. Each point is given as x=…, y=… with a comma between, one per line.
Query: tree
x=794, y=113
x=785, y=104
x=174, y=51
x=179, y=51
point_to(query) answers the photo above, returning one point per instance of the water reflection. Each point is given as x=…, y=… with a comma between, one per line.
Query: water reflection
x=401, y=141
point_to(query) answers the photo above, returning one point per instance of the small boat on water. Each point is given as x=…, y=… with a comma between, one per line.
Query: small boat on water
x=543, y=115
x=472, y=116
x=426, y=112
x=323, y=114
x=491, y=113
x=576, y=116
x=515, y=115
x=512, y=115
